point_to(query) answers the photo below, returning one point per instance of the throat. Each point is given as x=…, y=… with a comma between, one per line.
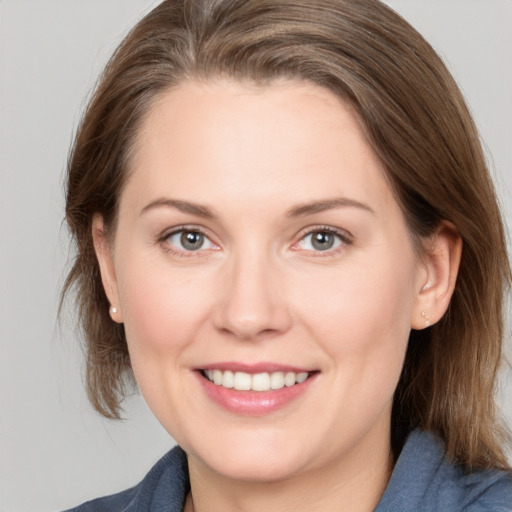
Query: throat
x=189, y=504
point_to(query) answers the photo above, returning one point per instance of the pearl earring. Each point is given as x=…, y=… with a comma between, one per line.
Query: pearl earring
x=426, y=318
x=113, y=310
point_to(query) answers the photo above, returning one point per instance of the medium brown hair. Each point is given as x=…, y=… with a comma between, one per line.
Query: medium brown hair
x=415, y=119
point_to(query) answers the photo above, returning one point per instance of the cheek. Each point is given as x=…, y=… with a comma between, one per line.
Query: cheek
x=361, y=318
x=161, y=309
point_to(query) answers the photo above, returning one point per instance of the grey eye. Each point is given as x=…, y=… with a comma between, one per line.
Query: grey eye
x=191, y=240
x=320, y=241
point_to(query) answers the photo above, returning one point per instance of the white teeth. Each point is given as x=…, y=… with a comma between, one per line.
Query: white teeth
x=289, y=379
x=217, y=377
x=301, y=377
x=228, y=380
x=277, y=380
x=261, y=382
x=242, y=381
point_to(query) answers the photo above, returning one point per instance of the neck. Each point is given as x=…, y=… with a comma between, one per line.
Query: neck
x=353, y=484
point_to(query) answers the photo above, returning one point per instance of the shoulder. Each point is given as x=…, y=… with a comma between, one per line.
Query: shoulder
x=425, y=480
x=164, y=488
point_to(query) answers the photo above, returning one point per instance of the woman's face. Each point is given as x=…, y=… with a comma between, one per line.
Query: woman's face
x=259, y=244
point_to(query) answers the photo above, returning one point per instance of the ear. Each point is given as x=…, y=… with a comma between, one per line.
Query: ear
x=440, y=266
x=105, y=256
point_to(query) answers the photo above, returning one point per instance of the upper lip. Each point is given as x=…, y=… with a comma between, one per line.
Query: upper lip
x=263, y=367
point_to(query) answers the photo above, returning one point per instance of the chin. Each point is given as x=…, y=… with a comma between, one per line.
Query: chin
x=252, y=460
x=257, y=468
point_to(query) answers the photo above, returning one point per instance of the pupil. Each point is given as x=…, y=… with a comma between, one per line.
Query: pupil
x=192, y=240
x=322, y=240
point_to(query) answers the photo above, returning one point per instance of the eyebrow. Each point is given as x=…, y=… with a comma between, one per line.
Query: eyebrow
x=296, y=211
x=183, y=206
x=326, y=204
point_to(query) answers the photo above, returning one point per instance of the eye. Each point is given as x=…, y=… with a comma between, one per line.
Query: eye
x=322, y=240
x=189, y=240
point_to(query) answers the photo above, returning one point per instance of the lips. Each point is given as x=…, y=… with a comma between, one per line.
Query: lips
x=254, y=390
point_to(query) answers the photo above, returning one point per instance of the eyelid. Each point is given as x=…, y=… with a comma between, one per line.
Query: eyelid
x=165, y=235
x=345, y=237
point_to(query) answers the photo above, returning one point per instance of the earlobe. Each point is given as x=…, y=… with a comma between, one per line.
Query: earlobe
x=104, y=254
x=440, y=268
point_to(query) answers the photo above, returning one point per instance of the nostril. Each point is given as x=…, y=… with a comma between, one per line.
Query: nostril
x=250, y=303
x=246, y=333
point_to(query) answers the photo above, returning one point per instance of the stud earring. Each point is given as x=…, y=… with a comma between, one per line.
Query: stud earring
x=426, y=318
x=113, y=310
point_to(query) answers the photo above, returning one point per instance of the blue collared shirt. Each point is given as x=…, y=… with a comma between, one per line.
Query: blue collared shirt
x=423, y=480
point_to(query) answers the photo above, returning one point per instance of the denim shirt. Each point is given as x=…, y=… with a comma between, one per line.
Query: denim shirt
x=423, y=480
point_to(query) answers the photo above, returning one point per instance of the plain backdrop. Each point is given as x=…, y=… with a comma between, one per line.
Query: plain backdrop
x=56, y=452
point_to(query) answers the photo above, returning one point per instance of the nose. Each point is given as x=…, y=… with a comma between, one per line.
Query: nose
x=252, y=301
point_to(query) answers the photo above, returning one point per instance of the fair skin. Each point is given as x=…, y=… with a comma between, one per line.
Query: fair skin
x=257, y=233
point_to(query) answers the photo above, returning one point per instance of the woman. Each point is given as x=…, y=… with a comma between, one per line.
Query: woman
x=287, y=235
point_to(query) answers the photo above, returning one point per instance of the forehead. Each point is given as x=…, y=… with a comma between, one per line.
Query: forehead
x=229, y=141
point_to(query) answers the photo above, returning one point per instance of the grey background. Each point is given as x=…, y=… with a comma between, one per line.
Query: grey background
x=54, y=450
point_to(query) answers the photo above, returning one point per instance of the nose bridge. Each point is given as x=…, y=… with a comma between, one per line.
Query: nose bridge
x=251, y=300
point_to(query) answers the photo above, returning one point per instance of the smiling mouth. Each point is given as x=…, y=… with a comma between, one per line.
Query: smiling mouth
x=241, y=381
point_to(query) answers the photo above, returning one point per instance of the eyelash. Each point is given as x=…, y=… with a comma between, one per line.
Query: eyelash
x=344, y=237
x=163, y=240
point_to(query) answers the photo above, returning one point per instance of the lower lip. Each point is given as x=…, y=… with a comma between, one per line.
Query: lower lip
x=254, y=403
